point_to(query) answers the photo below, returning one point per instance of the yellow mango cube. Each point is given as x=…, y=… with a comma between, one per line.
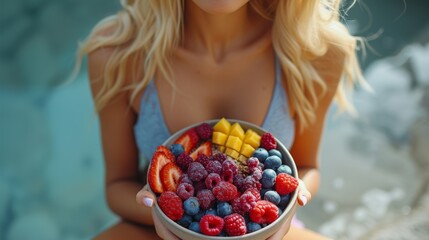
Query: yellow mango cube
x=237, y=130
x=221, y=148
x=234, y=142
x=242, y=159
x=219, y=138
x=252, y=138
x=222, y=126
x=247, y=150
x=232, y=153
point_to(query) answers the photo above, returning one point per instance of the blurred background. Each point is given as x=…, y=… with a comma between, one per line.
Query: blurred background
x=374, y=167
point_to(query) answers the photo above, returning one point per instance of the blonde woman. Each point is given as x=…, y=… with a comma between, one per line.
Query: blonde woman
x=160, y=65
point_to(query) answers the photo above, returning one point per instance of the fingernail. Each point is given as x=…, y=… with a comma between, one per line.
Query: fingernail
x=147, y=202
x=303, y=200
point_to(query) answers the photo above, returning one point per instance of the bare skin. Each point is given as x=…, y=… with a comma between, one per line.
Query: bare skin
x=235, y=59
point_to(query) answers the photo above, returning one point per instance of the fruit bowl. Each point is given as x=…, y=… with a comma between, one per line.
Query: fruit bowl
x=263, y=233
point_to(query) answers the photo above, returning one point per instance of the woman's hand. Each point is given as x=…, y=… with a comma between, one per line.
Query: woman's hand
x=146, y=198
x=304, y=196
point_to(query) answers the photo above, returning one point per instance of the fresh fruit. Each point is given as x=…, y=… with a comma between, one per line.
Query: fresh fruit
x=252, y=162
x=195, y=226
x=183, y=161
x=225, y=191
x=185, y=190
x=219, y=138
x=223, y=209
x=219, y=157
x=188, y=140
x=196, y=171
x=165, y=150
x=272, y=196
x=268, y=141
x=252, y=138
x=171, y=205
x=285, y=183
x=252, y=227
x=170, y=175
x=214, y=167
x=235, y=225
x=247, y=201
x=204, y=149
x=237, y=131
x=264, y=212
x=211, y=225
x=203, y=159
x=284, y=200
x=212, y=180
x=159, y=160
x=232, y=153
x=185, y=221
x=275, y=152
x=176, y=149
x=204, y=131
x=222, y=126
x=206, y=199
x=272, y=162
x=284, y=169
x=234, y=143
x=261, y=154
x=268, y=178
x=191, y=206
x=246, y=150
x=185, y=179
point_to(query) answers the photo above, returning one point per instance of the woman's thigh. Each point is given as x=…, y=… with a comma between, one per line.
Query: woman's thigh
x=129, y=231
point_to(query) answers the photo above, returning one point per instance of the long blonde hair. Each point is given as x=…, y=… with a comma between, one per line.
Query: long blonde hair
x=302, y=31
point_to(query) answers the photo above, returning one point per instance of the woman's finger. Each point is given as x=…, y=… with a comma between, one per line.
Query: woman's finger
x=145, y=197
x=304, y=195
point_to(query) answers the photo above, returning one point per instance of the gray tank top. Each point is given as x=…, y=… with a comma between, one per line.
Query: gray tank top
x=151, y=131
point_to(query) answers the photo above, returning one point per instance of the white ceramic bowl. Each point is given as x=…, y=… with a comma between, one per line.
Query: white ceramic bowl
x=263, y=233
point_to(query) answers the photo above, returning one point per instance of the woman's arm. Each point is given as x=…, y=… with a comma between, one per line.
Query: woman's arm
x=305, y=149
x=120, y=152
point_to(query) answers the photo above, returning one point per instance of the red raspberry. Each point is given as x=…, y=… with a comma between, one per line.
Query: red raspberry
x=185, y=191
x=200, y=185
x=235, y=225
x=212, y=180
x=214, y=167
x=252, y=162
x=236, y=206
x=225, y=191
x=285, y=183
x=204, y=131
x=239, y=181
x=251, y=182
x=211, y=225
x=171, y=205
x=203, y=159
x=220, y=157
x=206, y=199
x=227, y=176
x=268, y=141
x=264, y=212
x=196, y=171
x=230, y=165
x=184, y=178
x=183, y=161
x=247, y=201
x=255, y=193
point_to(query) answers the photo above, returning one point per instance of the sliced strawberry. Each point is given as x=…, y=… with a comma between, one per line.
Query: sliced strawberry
x=159, y=160
x=205, y=148
x=189, y=140
x=170, y=175
x=165, y=150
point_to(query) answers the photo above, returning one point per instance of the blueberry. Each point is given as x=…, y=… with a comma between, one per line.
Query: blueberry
x=222, y=234
x=185, y=221
x=284, y=169
x=284, y=200
x=176, y=149
x=199, y=215
x=272, y=162
x=261, y=154
x=211, y=211
x=191, y=206
x=195, y=226
x=264, y=190
x=275, y=152
x=252, y=227
x=268, y=178
x=223, y=209
x=272, y=196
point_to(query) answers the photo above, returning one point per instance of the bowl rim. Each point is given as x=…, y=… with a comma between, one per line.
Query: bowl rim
x=292, y=201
